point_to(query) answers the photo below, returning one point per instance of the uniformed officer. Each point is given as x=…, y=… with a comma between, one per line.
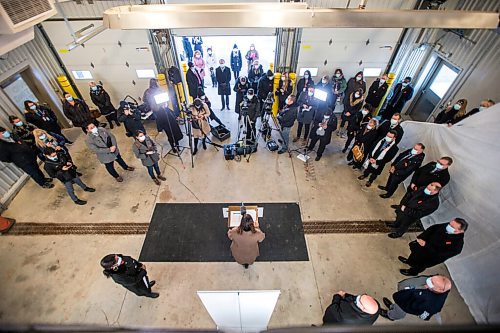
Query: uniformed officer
x=435, y=245
x=128, y=272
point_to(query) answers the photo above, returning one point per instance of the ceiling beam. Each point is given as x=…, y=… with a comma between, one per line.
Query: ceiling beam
x=288, y=15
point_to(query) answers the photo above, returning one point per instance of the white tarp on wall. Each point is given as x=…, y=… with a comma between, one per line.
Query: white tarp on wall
x=474, y=194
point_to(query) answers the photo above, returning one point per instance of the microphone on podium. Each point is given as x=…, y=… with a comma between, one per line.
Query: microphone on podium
x=243, y=209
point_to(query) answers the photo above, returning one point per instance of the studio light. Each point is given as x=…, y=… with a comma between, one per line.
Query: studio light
x=161, y=98
x=320, y=94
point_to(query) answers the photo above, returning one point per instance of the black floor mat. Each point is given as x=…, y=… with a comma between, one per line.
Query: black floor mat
x=198, y=233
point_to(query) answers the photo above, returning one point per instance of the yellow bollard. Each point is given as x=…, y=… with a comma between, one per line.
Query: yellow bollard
x=184, y=70
x=293, y=77
x=66, y=86
x=390, y=81
x=277, y=78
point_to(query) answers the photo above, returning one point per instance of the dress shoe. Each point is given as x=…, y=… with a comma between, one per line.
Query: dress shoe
x=383, y=188
x=157, y=182
x=318, y=157
x=223, y=109
x=130, y=168
x=119, y=179
x=228, y=108
x=79, y=174
x=390, y=224
x=395, y=206
x=152, y=283
x=174, y=150
x=89, y=189
x=154, y=295
x=384, y=196
x=407, y=272
x=69, y=143
x=387, y=302
x=394, y=235
x=49, y=180
x=160, y=177
x=204, y=145
x=350, y=163
x=281, y=151
x=80, y=202
x=384, y=314
x=403, y=259
x=48, y=185
x=344, y=150
x=368, y=184
x=361, y=177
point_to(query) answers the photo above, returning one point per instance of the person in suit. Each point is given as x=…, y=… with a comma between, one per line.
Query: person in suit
x=393, y=124
x=193, y=80
x=401, y=94
x=422, y=296
x=435, y=245
x=415, y=205
x=348, y=309
x=432, y=172
x=377, y=91
x=324, y=124
x=366, y=138
x=383, y=152
x=402, y=167
x=223, y=75
x=146, y=150
x=103, y=143
x=128, y=272
x=245, y=241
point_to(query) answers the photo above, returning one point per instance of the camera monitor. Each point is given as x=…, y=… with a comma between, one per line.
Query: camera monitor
x=320, y=94
x=161, y=98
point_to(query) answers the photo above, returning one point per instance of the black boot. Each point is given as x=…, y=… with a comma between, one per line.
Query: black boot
x=195, y=148
x=110, y=125
x=204, y=144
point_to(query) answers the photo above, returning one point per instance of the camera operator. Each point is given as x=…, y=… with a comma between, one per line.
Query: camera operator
x=240, y=88
x=324, y=124
x=264, y=88
x=249, y=108
x=307, y=105
x=287, y=118
x=131, y=118
x=200, y=114
x=166, y=120
x=204, y=99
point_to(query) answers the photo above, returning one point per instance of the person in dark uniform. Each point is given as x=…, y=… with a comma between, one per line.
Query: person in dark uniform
x=377, y=91
x=422, y=296
x=431, y=172
x=324, y=124
x=434, y=246
x=392, y=124
x=347, y=309
x=128, y=272
x=402, y=167
x=415, y=205
x=101, y=99
x=43, y=117
x=383, y=152
x=401, y=94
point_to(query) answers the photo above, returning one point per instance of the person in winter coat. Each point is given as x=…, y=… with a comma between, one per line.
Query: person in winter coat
x=131, y=118
x=166, y=120
x=366, y=138
x=149, y=95
x=339, y=85
x=102, y=100
x=128, y=272
x=200, y=123
x=197, y=42
x=199, y=63
x=22, y=132
x=44, y=140
x=223, y=75
x=347, y=309
x=402, y=167
x=307, y=106
x=211, y=63
x=323, y=126
x=103, y=143
x=188, y=49
x=43, y=117
x=59, y=165
x=252, y=55
x=415, y=205
x=355, y=122
x=383, y=152
x=350, y=110
x=286, y=118
x=204, y=99
x=304, y=83
x=453, y=112
x=193, y=80
x=22, y=156
x=145, y=149
x=264, y=88
x=284, y=90
x=78, y=112
x=422, y=296
x=250, y=107
x=245, y=241
x=255, y=72
x=240, y=88
x=377, y=91
x=401, y=94
x=236, y=62
x=434, y=246
x=354, y=84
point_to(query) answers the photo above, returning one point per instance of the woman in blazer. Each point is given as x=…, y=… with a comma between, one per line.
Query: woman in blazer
x=246, y=239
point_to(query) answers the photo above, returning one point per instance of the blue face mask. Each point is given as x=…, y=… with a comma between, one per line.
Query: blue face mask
x=427, y=191
x=6, y=134
x=19, y=124
x=42, y=137
x=33, y=107
x=94, y=88
x=439, y=166
x=450, y=230
x=53, y=158
x=69, y=99
x=414, y=151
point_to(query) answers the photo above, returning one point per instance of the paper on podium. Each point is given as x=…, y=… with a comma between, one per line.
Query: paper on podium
x=234, y=215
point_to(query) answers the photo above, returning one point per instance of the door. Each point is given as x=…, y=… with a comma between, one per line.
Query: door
x=440, y=80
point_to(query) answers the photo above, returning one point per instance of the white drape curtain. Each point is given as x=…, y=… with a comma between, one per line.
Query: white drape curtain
x=473, y=194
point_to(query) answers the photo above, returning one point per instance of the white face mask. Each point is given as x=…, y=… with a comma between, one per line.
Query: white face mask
x=338, y=75
x=414, y=151
x=324, y=81
x=249, y=96
x=450, y=230
x=141, y=138
x=369, y=127
x=256, y=66
x=457, y=106
x=358, y=78
x=356, y=95
x=119, y=261
x=382, y=81
x=94, y=131
x=358, y=301
x=404, y=84
x=439, y=166
x=429, y=283
x=388, y=139
x=42, y=137
x=481, y=108
x=306, y=76
x=310, y=93
x=427, y=191
x=394, y=122
x=283, y=78
x=326, y=118
x=364, y=112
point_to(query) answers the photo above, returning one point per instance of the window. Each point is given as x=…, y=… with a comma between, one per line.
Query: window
x=443, y=80
x=18, y=91
x=145, y=73
x=372, y=71
x=314, y=71
x=82, y=75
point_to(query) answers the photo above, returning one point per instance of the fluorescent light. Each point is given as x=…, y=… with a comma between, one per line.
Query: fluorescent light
x=314, y=71
x=372, y=71
x=145, y=73
x=320, y=94
x=161, y=98
x=82, y=75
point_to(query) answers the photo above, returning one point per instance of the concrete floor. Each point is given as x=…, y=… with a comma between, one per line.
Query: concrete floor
x=57, y=279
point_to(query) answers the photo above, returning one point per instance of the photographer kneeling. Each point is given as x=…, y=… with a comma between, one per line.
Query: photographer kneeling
x=324, y=124
x=201, y=127
x=249, y=112
x=287, y=118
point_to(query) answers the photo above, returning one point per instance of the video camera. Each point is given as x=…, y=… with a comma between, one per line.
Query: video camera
x=237, y=149
x=268, y=103
x=244, y=108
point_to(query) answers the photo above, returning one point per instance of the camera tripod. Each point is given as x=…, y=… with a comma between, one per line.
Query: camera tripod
x=246, y=125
